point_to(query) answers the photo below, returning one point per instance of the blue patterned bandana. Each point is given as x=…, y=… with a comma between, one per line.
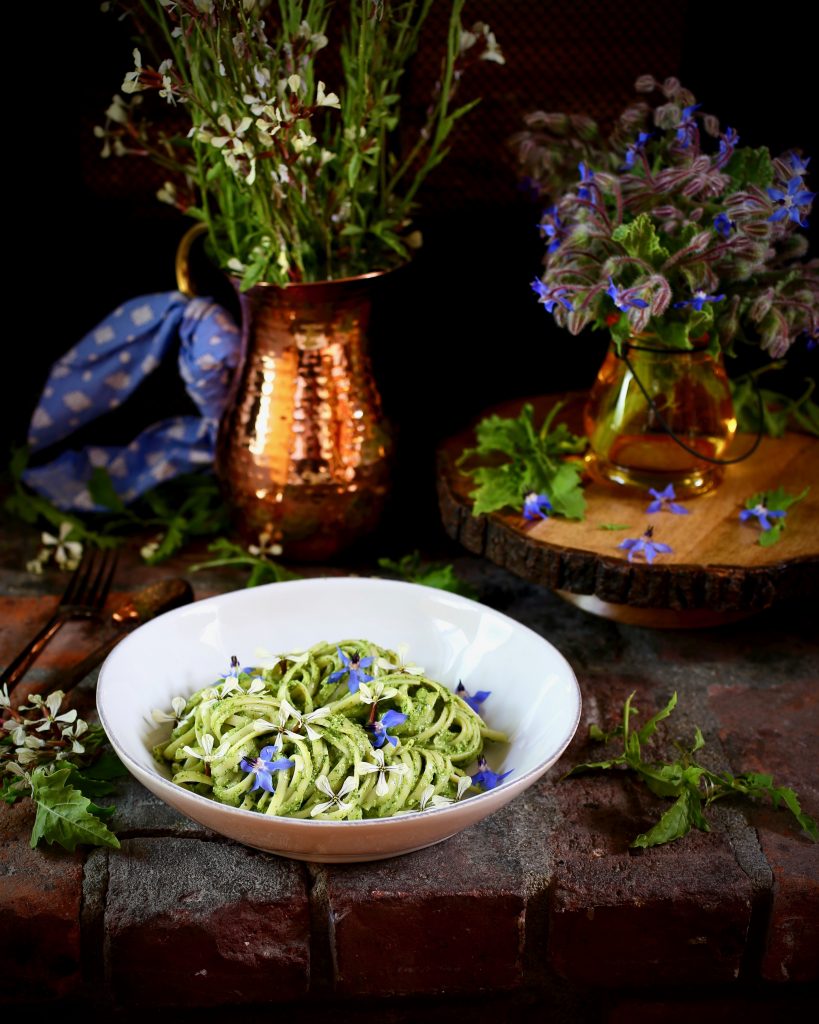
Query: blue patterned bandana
x=108, y=365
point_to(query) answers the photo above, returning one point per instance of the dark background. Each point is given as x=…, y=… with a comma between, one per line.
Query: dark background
x=463, y=330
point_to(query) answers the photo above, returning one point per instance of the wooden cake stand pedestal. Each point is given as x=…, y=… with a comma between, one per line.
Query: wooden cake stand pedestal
x=717, y=571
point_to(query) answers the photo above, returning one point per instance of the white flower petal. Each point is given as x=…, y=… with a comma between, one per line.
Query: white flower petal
x=350, y=783
x=463, y=786
x=323, y=784
x=321, y=808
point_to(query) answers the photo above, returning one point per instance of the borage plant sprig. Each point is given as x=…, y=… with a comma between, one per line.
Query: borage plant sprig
x=539, y=475
x=692, y=787
x=299, y=174
x=655, y=230
x=768, y=510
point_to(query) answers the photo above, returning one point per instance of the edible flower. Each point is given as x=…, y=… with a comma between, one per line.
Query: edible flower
x=403, y=665
x=698, y=300
x=586, y=178
x=486, y=777
x=664, y=502
x=378, y=691
x=379, y=729
x=208, y=754
x=336, y=799
x=431, y=799
x=723, y=225
x=287, y=711
x=636, y=147
x=687, y=128
x=263, y=767
x=795, y=201
x=650, y=548
x=623, y=298
x=353, y=668
x=178, y=706
x=383, y=770
x=535, y=505
x=551, y=228
x=473, y=701
x=762, y=514
x=550, y=297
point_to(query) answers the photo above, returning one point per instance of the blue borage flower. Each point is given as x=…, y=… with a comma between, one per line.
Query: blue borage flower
x=762, y=515
x=550, y=297
x=664, y=502
x=352, y=667
x=727, y=144
x=723, y=225
x=486, y=777
x=474, y=701
x=586, y=178
x=551, y=227
x=536, y=505
x=636, y=147
x=795, y=200
x=644, y=545
x=698, y=300
x=263, y=767
x=687, y=128
x=797, y=164
x=389, y=720
x=624, y=298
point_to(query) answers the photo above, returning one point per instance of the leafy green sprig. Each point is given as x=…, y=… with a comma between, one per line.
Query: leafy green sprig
x=178, y=511
x=692, y=787
x=440, y=575
x=537, y=461
x=779, y=411
x=256, y=558
x=59, y=760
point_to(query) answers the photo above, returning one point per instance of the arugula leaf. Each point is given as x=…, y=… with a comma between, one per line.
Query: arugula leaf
x=689, y=784
x=432, y=574
x=64, y=815
x=614, y=526
x=537, y=461
x=262, y=570
x=11, y=791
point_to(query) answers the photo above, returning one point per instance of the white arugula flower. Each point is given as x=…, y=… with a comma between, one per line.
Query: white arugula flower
x=431, y=799
x=372, y=693
x=132, y=82
x=50, y=706
x=403, y=665
x=209, y=754
x=326, y=99
x=336, y=799
x=383, y=784
x=4, y=697
x=287, y=711
x=178, y=706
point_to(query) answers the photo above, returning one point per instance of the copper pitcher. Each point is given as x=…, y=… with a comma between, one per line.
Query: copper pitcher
x=303, y=448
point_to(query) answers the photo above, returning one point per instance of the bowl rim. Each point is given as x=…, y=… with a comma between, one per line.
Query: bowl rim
x=513, y=788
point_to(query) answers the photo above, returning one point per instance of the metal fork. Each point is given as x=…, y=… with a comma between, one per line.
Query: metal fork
x=84, y=598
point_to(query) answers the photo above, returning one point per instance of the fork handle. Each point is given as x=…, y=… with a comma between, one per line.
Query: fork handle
x=23, y=661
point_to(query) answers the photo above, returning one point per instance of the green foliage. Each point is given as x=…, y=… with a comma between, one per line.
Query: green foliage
x=614, y=526
x=779, y=411
x=262, y=569
x=692, y=787
x=537, y=461
x=179, y=510
x=750, y=167
x=64, y=815
x=640, y=240
x=429, y=574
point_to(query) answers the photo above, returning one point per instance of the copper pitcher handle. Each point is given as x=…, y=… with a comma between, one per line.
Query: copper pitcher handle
x=182, y=264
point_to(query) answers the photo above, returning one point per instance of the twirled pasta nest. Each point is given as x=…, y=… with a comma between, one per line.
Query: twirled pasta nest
x=339, y=732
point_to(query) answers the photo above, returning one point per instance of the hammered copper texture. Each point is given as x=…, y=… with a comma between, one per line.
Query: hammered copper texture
x=303, y=449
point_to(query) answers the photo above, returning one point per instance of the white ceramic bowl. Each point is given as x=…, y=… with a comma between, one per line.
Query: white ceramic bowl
x=535, y=697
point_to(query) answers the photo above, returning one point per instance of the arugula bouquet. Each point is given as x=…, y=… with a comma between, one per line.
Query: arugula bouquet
x=668, y=227
x=295, y=181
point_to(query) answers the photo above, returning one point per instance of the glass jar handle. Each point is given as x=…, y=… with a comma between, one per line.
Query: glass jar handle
x=182, y=266
x=664, y=423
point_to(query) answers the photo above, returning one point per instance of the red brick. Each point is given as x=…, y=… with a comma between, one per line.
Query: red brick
x=40, y=900
x=205, y=923
x=443, y=920
x=774, y=731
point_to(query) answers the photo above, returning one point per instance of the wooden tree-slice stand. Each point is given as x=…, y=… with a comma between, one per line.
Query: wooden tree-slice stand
x=717, y=572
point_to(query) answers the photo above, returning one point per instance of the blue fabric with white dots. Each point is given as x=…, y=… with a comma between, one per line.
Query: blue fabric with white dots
x=103, y=369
